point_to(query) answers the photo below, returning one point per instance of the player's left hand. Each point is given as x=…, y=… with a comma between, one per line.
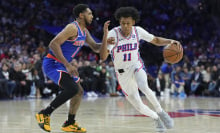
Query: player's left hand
x=174, y=42
x=105, y=28
x=110, y=40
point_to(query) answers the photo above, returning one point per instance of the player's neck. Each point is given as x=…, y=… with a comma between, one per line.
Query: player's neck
x=81, y=24
x=125, y=34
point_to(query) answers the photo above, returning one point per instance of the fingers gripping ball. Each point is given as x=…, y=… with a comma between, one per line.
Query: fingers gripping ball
x=173, y=53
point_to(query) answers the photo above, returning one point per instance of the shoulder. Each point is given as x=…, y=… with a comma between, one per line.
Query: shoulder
x=69, y=30
x=139, y=29
x=115, y=29
x=71, y=26
x=113, y=32
x=144, y=34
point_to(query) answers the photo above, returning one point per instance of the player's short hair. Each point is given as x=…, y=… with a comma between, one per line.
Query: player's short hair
x=127, y=12
x=80, y=8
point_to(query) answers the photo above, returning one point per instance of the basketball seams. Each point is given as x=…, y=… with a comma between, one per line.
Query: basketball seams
x=170, y=55
x=165, y=55
x=171, y=50
x=178, y=55
x=176, y=58
x=173, y=53
x=171, y=61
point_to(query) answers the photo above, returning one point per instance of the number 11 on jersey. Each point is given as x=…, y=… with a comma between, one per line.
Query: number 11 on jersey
x=127, y=57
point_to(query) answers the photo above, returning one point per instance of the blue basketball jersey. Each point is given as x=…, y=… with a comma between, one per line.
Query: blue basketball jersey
x=70, y=48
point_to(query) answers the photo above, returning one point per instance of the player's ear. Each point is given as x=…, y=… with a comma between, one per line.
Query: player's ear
x=81, y=15
x=133, y=22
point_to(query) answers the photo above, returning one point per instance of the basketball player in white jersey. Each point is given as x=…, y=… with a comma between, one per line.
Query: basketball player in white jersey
x=129, y=66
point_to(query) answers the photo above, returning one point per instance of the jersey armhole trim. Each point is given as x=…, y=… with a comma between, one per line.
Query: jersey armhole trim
x=116, y=37
x=71, y=40
x=136, y=34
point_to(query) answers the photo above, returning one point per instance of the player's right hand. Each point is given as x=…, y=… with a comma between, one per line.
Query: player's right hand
x=72, y=70
x=111, y=40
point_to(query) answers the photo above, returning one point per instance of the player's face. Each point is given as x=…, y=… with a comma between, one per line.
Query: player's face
x=88, y=17
x=126, y=25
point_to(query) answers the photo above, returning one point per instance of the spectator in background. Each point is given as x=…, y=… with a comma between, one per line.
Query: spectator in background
x=160, y=84
x=39, y=73
x=3, y=83
x=196, y=81
x=92, y=56
x=41, y=48
x=21, y=89
x=9, y=85
x=177, y=71
x=186, y=76
x=38, y=65
x=102, y=81
x=89, y=78
x=101, y=76
x=206, y=73
x=26, y=70
x=49, y=88
x=111, y=79
x=37, y=84
x=177, y=86
x=166, y=69
x=212, y=87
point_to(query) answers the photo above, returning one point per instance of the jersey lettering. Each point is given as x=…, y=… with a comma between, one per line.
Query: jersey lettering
x=79, y=43
x=127, y=47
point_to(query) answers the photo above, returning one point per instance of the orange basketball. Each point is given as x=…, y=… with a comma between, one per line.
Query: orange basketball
x=173, y=53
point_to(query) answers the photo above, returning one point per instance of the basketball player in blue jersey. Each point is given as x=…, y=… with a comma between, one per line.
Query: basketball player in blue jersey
x=56, y=65
x=129, y=67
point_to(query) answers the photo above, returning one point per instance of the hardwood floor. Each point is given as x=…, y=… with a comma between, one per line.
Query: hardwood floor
x=113, y=115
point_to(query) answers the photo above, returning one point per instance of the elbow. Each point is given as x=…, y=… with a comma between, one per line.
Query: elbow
x=96, y=51
x=156, y=41
x=51, y=45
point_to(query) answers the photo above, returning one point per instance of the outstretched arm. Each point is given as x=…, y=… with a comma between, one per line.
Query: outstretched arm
x=96, y=46
x=160, y=41
x=91, y=42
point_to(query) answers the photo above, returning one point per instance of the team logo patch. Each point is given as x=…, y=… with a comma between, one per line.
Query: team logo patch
x=133, y=36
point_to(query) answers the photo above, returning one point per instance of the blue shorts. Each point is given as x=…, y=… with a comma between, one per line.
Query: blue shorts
x=53, y=69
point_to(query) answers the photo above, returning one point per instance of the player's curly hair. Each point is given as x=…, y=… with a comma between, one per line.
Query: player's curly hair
x=127, y=12
x=80, y=8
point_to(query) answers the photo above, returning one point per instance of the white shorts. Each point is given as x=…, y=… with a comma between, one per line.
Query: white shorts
x=127, y=79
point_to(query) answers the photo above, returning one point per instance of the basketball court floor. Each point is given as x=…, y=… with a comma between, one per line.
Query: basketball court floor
x=113, y=115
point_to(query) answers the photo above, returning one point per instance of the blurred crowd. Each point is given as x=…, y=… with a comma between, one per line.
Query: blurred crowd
x=193, y=22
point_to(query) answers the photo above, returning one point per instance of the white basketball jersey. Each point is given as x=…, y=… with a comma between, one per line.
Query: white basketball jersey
x=125, y=52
